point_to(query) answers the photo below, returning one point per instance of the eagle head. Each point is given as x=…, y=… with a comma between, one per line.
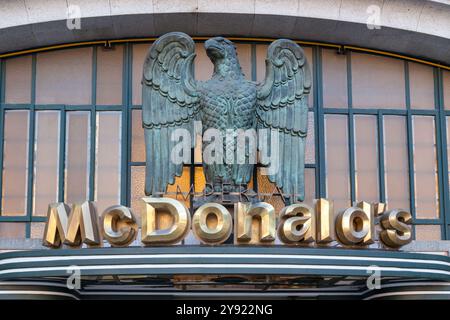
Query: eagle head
x=222, y=54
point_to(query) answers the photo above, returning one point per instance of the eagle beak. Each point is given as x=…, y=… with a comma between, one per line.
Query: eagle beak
x=213, y=49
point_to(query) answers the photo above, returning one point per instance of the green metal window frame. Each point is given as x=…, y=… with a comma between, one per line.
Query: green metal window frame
x=317, y=108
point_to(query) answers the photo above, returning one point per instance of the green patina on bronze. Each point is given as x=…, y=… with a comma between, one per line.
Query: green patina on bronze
x=173, y=99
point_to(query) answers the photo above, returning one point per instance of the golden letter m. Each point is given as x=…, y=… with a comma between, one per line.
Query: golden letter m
x=71, y=227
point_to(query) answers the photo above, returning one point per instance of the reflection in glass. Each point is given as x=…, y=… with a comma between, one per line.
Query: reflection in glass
x=310, y=149
x=261, y=53
x=137, y=137
x=244, y=52
x=337, y=160
x=425, y=168
x=447, y=120
x=198, y=149
x=446, y=87
x=202, y=65
x=46, y=161
x=107, y=161
x=310, y=185
x=15, y=163
x=366, y=158
x=183, y=183
x=396, y=173
x=421, y=84
x=77, y=156
x=18, y=79
x=334, y=68
x=137, y=190
x=37, y=230
x=269, y=188
x=139, y=52
x=109, y=75
x=56, y=71
x=138, y=183
x=377, y=82
x=428, y=232
x=12, y=230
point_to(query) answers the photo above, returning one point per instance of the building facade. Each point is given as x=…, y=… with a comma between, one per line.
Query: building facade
x=378, y=128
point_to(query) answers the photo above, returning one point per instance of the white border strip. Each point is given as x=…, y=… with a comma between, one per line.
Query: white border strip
x=38, y=292
x=219, y=265
x=407, y=293
x=218, y=255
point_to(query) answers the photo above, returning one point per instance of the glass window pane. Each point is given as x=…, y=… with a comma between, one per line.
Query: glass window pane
x=428, y=232
x=15, y=163
x=77, y=156
x=139, y=52
x=138, y=184
x=244, y=52
x=377, y=82
x=184, y=183
x=37, y=230
x=337, y=161
x=448, y=146
x=269, y=188
x=137, y=137
x=334, y=68
x=421, y=84
x=198, y=149
x=366, y=158
x=309, y=58
x=396, y=162
x=137, y=190
x=310, y=149
x=200, y=180
x=12, y=229
x=109, y=75
x=203, y=66
x=261, y=53
x=18, y=80
x=107, y=160
x=57, y=71
x=310, y=185
x=46, y=161
x=425, y=169
x=446, y=87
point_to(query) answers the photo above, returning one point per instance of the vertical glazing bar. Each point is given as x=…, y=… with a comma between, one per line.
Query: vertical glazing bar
x=381, y=157
x=253, y=64
x=319, y=124
x=2, y=116
x=124, y=147
x=410, y=147
x=31, y=148
x=2, y=81
x=407, y=87
x=349, y=79
x=93, y=126
x=62, y=154
x=126, y=121
x=441, y=142
x=445, y=163
x=351, y=158
x=351, y=146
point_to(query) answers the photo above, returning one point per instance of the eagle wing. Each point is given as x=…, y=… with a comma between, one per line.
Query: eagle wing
x=282, y=105
x=169, y=102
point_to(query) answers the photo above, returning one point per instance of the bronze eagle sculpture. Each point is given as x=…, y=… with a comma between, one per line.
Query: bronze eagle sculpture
x=172, y=99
